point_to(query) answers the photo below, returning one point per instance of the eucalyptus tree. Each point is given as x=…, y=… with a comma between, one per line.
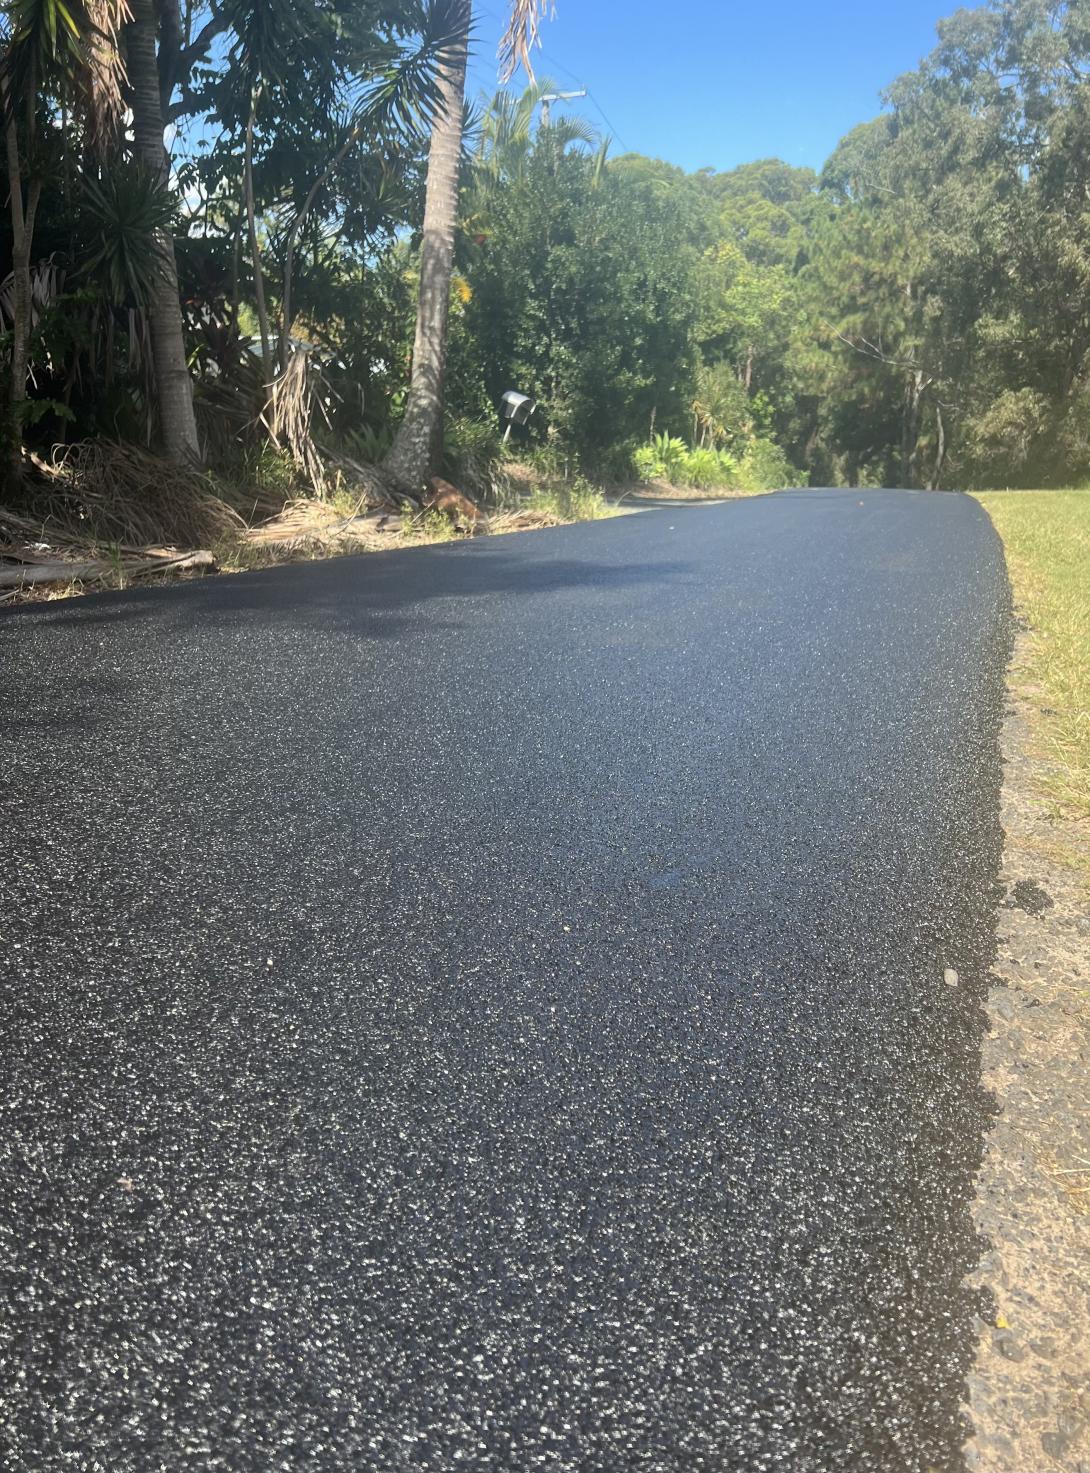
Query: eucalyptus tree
x=946, y=301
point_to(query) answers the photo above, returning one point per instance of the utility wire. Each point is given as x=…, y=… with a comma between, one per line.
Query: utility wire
x=612, y=130
x=559, y=66
x=547, y=56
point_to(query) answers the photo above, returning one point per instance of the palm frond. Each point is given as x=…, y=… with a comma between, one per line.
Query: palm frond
x=571, y=129
x=406, y=97
x=601, y=160
x=70, y=42
x=103, y=73
x=521, y=36
x=267, y=36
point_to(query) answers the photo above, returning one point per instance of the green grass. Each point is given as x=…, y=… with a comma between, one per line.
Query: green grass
x=1047, y=539
x=571, y=501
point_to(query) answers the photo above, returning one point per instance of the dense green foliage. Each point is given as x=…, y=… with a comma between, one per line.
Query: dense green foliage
x=578, y=291
x=918, y=313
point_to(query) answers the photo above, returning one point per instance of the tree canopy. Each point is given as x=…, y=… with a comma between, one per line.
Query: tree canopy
x=918, y=313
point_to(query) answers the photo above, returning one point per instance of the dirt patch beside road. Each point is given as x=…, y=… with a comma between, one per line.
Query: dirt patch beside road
x=653, y=492
x=1029, y=1397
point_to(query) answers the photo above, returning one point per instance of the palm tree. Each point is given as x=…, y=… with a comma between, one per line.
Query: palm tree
x=419, y=441
x=66, y=49
x=174, y=388
x=415, y=453
x=507, y=133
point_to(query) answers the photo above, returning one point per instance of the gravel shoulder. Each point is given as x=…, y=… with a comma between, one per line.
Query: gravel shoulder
x=1029, y=1395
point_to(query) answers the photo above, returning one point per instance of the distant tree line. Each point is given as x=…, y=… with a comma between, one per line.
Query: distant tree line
x=264, y=238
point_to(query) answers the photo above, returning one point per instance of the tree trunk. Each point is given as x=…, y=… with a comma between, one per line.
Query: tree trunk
x=419, y=443
x=236, y=264
x=255, y=246
x=174, y=389
x=20, y=261
x=171, y=39
x=286, y=316
x=940, y=451
x=910, y=429
x=22, y=242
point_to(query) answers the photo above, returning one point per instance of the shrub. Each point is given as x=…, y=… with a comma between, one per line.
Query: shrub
x=669, y=459
x=728, y=466
x=613, y=464
x=646, y=462
x=472, y=452
x=568, y=501
x=369, y=443
x=765, y=467
x=703, y=469
x=670, y=454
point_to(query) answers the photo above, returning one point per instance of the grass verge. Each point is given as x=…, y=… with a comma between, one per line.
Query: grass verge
x=1046, y=535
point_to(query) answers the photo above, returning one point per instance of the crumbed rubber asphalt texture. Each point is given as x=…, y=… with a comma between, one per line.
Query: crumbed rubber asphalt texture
x=485, y=1007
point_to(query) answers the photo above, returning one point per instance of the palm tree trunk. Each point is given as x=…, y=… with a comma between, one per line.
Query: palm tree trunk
x=416, y=450
x=174, y=389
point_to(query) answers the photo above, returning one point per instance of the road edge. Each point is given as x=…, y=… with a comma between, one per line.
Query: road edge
x=1028, y=1406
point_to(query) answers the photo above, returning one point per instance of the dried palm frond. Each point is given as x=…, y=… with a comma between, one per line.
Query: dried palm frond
x=46, y=285
x=76, y=42
x=103, y=72
x=521, y=35
x=105, y=491
x=288, y=416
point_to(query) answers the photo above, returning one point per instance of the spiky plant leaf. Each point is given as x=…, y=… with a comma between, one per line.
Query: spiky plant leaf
x=126, y=207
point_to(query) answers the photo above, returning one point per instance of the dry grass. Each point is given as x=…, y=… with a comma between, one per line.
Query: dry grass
x=107, y=509
x=1046, y=535
x=102, y=492
x=308, y=529
x=1073, y=1180
x=102, y=515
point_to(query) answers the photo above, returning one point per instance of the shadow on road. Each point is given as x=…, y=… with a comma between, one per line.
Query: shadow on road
x=65, y=670
x=369, y=592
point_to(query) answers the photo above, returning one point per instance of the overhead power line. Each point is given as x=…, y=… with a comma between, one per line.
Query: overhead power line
x=583, y=91
x=612, y=130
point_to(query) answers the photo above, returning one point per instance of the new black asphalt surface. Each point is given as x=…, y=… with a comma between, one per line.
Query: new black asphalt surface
x=485, y=1007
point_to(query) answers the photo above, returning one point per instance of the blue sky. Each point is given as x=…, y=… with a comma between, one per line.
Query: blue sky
x=717, y=82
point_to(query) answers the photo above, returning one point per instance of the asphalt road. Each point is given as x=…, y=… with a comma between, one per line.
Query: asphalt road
x=484, y=1007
